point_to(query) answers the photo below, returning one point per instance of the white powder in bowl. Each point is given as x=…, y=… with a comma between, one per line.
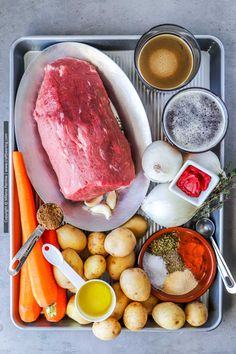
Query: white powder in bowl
x=155, y=268
x=180, y=283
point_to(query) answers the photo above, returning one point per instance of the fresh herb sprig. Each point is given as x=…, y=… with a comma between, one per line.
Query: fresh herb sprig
x=220, y=194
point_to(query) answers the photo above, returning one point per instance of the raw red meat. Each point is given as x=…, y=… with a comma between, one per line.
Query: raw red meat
x=79, y=132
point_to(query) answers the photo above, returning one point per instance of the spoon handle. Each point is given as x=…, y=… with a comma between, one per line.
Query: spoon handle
x=225, y=273
x=24, y=251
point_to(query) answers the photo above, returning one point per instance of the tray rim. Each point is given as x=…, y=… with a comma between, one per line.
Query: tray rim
x=63, y=38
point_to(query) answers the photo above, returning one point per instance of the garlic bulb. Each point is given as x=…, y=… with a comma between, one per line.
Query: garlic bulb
x=161, y=162
x=207, y=159
x=166, y=208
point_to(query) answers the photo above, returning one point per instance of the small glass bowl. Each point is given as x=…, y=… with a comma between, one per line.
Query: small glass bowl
x=182, y=33
x=220, y=103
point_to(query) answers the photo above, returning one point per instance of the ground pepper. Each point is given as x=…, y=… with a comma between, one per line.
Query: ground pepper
x=192, y=253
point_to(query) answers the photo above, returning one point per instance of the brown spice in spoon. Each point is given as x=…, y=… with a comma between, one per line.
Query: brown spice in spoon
x=50, y=216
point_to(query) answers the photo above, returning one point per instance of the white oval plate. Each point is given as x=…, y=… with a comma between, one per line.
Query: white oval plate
x=133, y=117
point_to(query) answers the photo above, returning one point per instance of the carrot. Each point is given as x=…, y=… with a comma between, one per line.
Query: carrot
x=50, y=236
x=57, y=311
x=43, y=284
x=29, y=309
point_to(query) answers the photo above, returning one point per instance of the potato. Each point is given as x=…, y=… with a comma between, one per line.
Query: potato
x=120, y=242
x=94, y=266
x=135, y=284
x=73, y=313
x=168, y=315
x=75, y=262
x=107, y=329
x=96, y=243
x=138, y=225
x=121, y=301
x=196, y=313
x=150, y=303
x=135, y=316
x=116, y=265
x=71, y=237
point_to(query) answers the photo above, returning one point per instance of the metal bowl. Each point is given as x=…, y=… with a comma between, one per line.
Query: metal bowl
x=134, y=120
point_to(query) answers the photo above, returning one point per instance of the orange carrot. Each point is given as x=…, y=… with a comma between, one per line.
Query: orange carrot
x=43, y=284
x=50, y=236
x=29, y=309
x=57, y=311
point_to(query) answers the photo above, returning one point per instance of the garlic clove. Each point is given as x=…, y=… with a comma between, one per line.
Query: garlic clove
x=111, y=199
x=102, y=209
x=92, y=202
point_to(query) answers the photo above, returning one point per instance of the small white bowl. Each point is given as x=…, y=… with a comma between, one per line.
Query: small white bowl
x=197, y=201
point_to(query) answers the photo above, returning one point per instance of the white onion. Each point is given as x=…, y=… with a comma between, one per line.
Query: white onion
x=207, y=159
x=166, y=208
x=161, y=162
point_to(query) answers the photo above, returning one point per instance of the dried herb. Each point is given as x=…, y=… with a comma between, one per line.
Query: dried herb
x=220, y=194
x=173, y=261
x=166, y=246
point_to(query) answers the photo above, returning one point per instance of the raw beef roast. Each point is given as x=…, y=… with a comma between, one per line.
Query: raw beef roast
x=79, y=132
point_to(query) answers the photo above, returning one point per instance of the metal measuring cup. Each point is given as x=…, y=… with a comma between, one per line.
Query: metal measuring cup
x=49, y=217
x=55, y=257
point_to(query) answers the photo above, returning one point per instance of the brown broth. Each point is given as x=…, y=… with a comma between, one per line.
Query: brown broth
x=165, y=61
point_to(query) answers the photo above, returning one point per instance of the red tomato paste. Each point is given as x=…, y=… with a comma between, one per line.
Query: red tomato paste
x=193, y=181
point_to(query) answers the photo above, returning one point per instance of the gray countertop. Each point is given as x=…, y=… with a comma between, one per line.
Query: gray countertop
x=18, y=18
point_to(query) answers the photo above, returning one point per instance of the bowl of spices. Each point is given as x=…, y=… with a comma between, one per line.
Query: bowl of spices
x=180, y=263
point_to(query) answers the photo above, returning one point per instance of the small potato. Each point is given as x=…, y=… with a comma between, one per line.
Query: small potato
x=135, y=316
x=73, y=313
x=96, y=243
x=150, y=303
x=121, y=301
x=138, y=225
x=168, y=315
x=71, y=237
x=74, y=260
x=120, y=242
x=196, y=313
x=116, y=265
x=107, y=329
x=135, y=284
x=94, y=266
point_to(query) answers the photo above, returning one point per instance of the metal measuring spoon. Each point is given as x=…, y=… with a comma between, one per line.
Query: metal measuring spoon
x=49, y=217
x=206, y=228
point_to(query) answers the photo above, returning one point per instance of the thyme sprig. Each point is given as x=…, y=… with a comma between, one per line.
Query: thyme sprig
x=219, y=195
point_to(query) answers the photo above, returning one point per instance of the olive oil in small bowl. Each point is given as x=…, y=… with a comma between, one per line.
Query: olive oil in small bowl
x=95, y=300
x=167, y=57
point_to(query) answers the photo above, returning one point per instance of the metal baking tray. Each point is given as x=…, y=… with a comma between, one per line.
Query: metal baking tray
x=120, y=48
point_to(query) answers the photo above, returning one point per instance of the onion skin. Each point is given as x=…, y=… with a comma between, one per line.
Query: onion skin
x=161, y=162
x=206, y=159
